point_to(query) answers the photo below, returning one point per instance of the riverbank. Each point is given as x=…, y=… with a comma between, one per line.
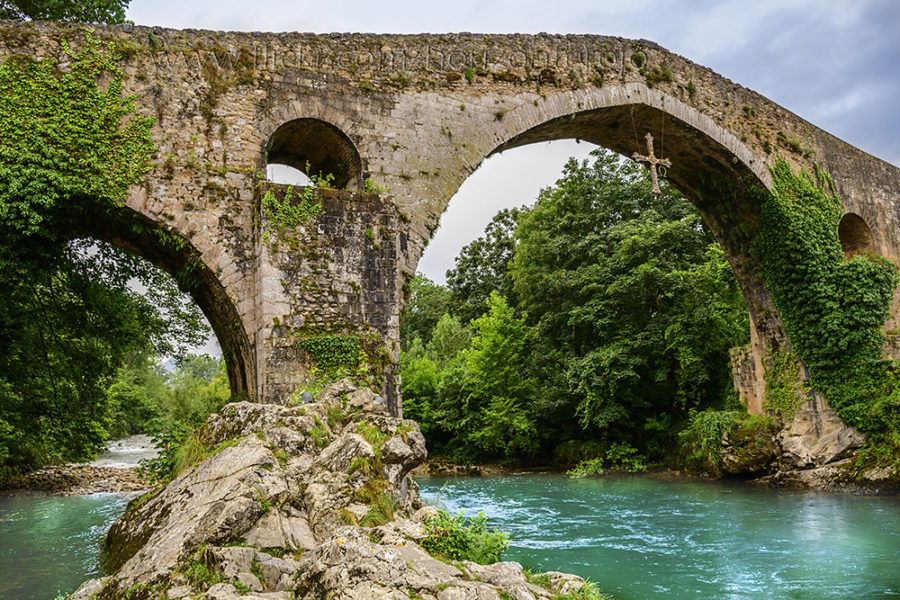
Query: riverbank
x=839, y=478
x=77, y=480
x=114, y=471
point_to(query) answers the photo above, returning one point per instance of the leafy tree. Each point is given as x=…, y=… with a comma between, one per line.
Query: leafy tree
x=482, y=267
x=83, y=11
x=484, y=393
x=634, y=292
x=426, y=304
x=64, y=332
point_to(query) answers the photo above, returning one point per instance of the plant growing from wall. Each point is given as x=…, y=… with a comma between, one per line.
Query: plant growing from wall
x=833, y=308
x=284, y=215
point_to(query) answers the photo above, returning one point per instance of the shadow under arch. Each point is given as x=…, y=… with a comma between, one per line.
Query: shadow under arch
x=126, y=229
x=316, y=147
x=721, y=177
x=855, y=235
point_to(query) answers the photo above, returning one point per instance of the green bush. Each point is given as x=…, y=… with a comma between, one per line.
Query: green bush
x=169, y=444
x=459, y=538
x=701, y=439
x=587, y=468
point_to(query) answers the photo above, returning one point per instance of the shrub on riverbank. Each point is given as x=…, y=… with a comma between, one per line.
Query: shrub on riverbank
x=459, y=538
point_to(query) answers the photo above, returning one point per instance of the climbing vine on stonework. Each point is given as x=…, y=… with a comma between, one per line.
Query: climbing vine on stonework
x=284, y=215
x=833, y=308
x=332, y=352
x=63, y=137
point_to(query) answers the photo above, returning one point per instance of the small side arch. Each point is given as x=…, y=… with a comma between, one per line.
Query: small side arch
x=855, y=235
x=316, y=147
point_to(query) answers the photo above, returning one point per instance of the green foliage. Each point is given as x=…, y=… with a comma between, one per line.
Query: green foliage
x=702, y=437
x=320, y=435
x=783, y=394
x=482, y=267
x=371, y=433
x=371, y=187
x=426, y=304
x=336, y=357
x=283, y=216
x=69, y=152
x=146, y=399
x=82, y=11
x=169, y=443
x=656, y=75
x=620, y=456
x=621, y=311
x=833, y=308
x=634, y=294
x=381, y=511
x=587, y=468
x=460, y=538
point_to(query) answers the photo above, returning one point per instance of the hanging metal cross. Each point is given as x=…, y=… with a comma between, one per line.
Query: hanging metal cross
x=653, y=161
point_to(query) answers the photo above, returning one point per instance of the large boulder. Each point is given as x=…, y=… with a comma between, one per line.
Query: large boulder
x=308, y=501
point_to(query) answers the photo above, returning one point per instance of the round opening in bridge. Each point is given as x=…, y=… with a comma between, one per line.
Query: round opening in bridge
x=316, y=149
x=855, y=235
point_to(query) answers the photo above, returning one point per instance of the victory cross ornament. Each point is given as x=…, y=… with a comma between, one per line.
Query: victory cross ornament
x=653, y=161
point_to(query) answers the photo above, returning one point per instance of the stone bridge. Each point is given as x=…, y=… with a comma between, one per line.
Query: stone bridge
x=417, y=114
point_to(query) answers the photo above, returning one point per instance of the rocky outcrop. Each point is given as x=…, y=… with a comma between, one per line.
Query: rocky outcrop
x=817, y=450
x=306, y=502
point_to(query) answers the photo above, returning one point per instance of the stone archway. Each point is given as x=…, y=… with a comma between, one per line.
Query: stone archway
x=316, y=148
x=134, y=233
x=855, y=235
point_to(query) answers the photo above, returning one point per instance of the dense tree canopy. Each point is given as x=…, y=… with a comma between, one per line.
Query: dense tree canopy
x=607, y=313
x=482, y=267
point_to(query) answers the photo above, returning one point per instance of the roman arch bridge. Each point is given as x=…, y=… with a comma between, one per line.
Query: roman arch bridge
x=417, y=114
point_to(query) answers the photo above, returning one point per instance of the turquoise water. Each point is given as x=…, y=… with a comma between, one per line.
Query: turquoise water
x=637, y=537
x=641, y=538
x=50, y=544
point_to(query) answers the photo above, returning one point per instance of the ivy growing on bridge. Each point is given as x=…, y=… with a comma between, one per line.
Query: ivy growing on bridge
x=71, y=147
x=833, y=308
x=63, y=137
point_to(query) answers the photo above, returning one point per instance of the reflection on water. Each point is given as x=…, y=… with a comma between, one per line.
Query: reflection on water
x=642, y=538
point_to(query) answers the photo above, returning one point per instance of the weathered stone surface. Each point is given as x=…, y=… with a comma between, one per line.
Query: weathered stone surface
x=417, y=114
x=817, y=437
x=272, y=519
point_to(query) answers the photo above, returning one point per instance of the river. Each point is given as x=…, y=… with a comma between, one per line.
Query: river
x=641, y=538
x=49, y=545
x=636, y=537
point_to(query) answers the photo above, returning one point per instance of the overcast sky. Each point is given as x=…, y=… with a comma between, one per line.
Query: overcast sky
x=836, y=63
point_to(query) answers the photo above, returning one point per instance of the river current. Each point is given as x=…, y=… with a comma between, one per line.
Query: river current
x=637, y=537
x=640, y=538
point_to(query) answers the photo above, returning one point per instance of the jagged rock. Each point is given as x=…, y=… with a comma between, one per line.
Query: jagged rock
x=270, y=508
x=251, y=581
x=306, y=398
x=751, y=453
x=226, y=591
x=284, y=527
x=342, y=452
x=564, y=583
x=230, y=561
x=508, y=577
x=816, y=437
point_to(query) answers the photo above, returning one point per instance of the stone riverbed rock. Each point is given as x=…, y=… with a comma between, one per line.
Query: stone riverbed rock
x=77, y=479
x=302, y=502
